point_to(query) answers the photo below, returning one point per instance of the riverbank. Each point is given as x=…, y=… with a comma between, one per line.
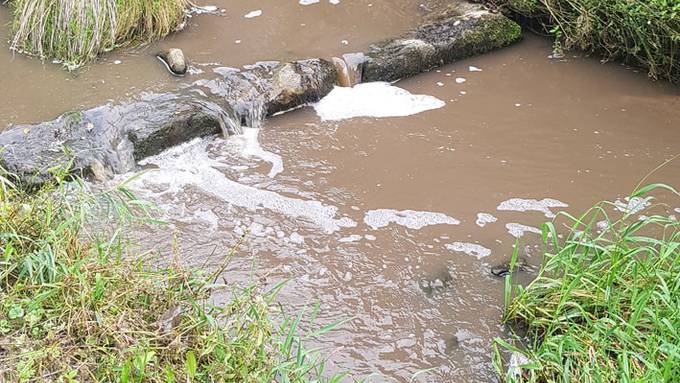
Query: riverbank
x=604, y=306
x=641, y=33
x=77, y=306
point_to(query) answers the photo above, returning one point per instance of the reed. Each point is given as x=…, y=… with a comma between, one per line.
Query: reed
x=605, y=306
x=74, y=32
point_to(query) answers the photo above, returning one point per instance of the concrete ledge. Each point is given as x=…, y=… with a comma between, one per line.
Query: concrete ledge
x=110, y=139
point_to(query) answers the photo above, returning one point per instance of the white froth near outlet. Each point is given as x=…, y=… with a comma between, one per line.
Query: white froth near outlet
x=521, y=204
x=518, y=230
x=190, y=165
x=351, y=238
x=373, y=99
x=308, y=2
x=411, y=219
x=632, y=205
x=471, y=249
x=249, y=146
x=484, y=219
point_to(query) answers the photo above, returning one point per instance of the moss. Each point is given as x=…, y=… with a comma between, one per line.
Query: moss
x=494, y=31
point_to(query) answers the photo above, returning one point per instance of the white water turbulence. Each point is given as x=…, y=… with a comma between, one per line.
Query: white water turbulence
x=411, y=219
x=189, y=165
x=373, y=99
x=249, y=146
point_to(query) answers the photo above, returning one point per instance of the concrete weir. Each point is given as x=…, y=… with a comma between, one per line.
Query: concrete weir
x=110, y=139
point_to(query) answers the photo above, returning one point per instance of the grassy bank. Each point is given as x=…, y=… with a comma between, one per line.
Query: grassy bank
x=605, y=306
x=76, y=31
x=644, y=33
x=74, y=308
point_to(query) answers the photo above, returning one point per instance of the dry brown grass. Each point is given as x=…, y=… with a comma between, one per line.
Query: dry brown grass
x=76, y=31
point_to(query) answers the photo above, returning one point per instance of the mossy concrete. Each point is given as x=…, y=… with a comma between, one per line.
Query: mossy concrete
x=460, y=30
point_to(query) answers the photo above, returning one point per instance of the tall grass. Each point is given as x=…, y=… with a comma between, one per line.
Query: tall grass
x=77, y=309
x=605, y=306
x=76, y=31
x=643, y=32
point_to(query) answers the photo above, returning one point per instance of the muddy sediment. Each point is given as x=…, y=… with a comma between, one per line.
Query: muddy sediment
x=111, y=138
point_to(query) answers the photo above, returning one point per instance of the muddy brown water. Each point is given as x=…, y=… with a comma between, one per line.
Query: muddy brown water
x=284, y=31
x=572, y=131
x=308, y=193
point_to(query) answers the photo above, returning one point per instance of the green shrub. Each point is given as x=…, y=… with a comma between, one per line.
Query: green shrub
x=646, y=33
x=605, y=306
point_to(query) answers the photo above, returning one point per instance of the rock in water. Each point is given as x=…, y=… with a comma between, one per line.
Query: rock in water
x=175, y=61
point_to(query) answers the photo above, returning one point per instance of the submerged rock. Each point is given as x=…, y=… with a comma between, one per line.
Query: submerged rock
x=174, y=60
x=503, y=269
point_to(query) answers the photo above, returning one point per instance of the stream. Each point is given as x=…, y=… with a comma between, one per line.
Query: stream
x=387, y=203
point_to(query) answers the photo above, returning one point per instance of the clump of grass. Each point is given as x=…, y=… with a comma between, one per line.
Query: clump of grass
x=77, y=309
x=605, y=306
x=645, y=33
x=76, y=31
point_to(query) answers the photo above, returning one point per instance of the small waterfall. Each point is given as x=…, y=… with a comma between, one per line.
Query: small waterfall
x=355, y=66
x=227, y=119
x=343, y=73
x=350, y=68
x=250, y=114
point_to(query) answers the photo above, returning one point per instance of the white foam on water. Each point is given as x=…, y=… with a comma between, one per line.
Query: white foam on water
x=518, y=230
x=351, y=238
x=209, y=217
x=472, y=249
x=373, y=99
x=521, y=204
x=308, y=2
x=484, y=219
x=632, y=205
x=411, y=219
x=190, y=165
x=252, y=14
x=460, y=80
x=249, y=146
x=472, y=68
x=199, y=10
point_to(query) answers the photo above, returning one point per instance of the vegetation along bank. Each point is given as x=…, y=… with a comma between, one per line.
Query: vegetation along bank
x=643, y=33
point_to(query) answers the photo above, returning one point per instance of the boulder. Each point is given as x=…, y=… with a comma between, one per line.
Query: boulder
x=175, y=61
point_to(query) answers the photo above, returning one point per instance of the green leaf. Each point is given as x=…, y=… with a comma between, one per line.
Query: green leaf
x=191, y=365
x=15, y=312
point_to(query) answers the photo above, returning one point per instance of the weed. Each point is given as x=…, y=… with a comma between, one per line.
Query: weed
x=77, y=309
x=605, y=306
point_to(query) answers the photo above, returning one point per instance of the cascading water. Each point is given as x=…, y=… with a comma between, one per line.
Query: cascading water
x=350, y=68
